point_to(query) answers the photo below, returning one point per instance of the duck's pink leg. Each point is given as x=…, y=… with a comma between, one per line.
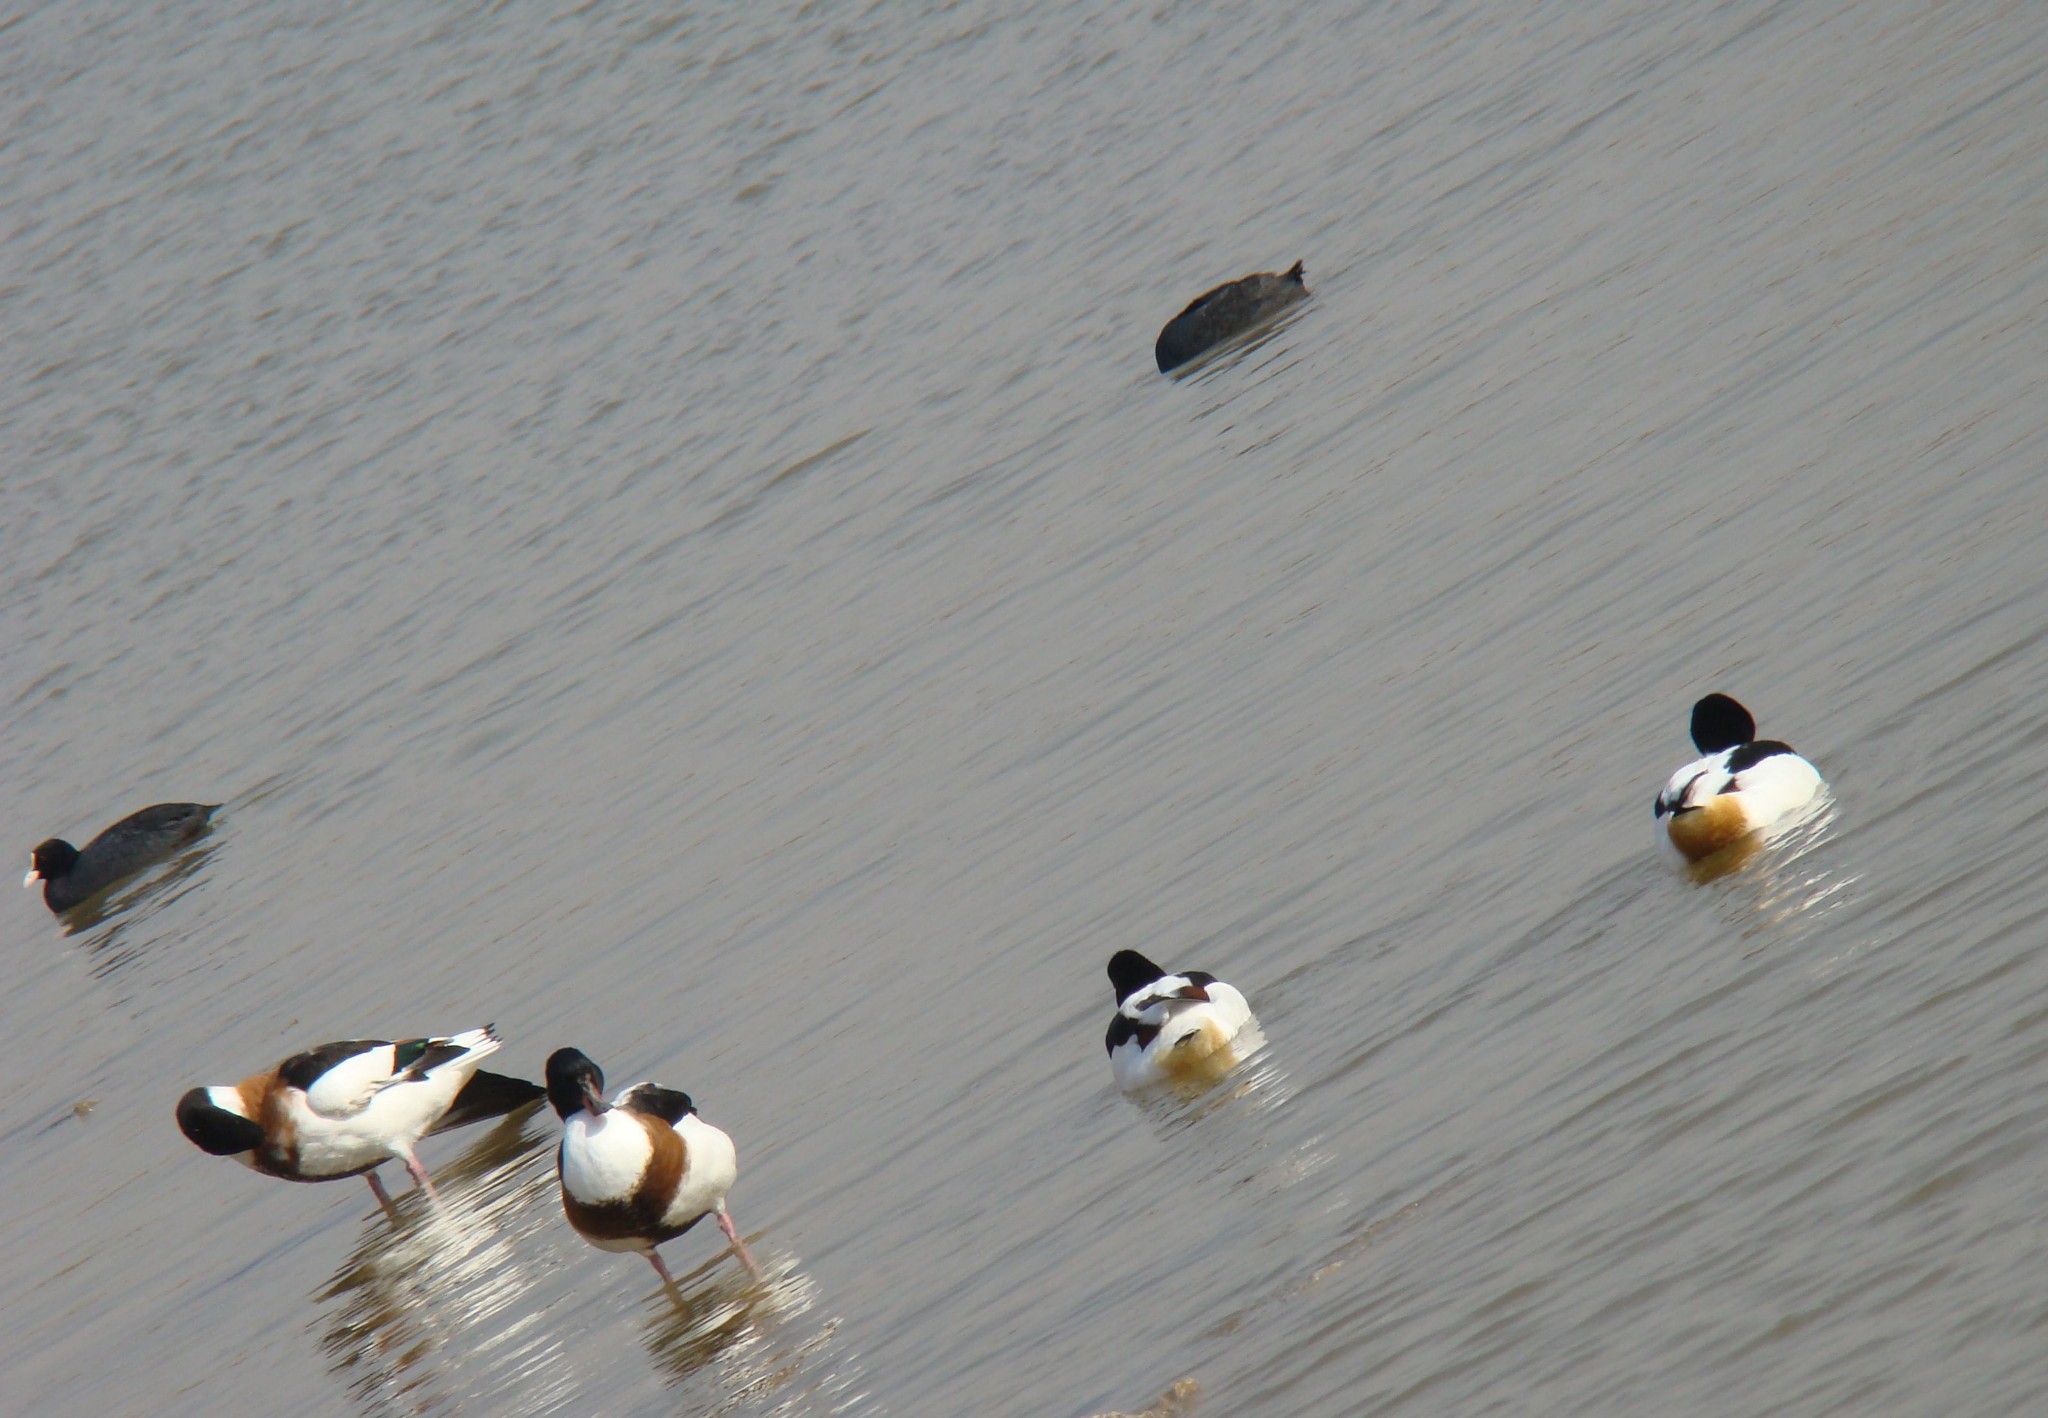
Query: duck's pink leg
x=739, y=1247
x=668, y=1281
x=419, y=1175
x=383, y=1197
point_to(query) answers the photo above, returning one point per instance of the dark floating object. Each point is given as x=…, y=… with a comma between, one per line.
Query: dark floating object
x=69, y=875
x=1226, y=312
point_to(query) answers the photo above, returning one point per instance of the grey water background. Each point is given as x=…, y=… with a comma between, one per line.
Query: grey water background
x=662, y=527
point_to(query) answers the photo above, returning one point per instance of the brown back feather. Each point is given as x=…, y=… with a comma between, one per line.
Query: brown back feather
x=263, y=1100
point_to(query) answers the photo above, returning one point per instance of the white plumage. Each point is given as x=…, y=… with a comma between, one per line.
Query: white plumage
x=369, y=1108
x=602, y=1159
x=714, y=1167
x=1169, y=1026
x=1740, y=785
x=341, y=1109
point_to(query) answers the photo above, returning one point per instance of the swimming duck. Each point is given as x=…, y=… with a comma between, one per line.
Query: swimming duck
x=139, y=840
x=343, y=1109
x=1166, y=1024
x=1231, y=309
x=641, y=1169
x=1743, y=784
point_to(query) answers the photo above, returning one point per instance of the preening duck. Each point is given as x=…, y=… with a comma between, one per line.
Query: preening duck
x=343, y=1109
x=1741, y=785
x=70, y=875
x=641, y=1169
x=1167, y=1024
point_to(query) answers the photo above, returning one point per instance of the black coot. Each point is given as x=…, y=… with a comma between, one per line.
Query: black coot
x=69, y=875
x=1225, y=312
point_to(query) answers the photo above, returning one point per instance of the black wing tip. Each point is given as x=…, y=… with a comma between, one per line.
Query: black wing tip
x=489, y=1095
x=1296, y=273
x=416, y=1058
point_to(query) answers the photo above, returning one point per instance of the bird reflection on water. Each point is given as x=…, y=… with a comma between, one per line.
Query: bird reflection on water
x=1180, y=1397
x=416, y=1282
x=1243, y=1089
x=1241, y=1074
x=441, y=1307
x=132, y=902
x=1780, y=844
x=723, y=1325
x=1782, y=887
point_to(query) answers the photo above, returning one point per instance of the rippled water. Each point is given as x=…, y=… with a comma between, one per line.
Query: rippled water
x=664, y=531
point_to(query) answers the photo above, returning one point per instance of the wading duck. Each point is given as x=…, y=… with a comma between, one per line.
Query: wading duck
x=142, y=839
x=1166, y=1025
x=641, y=1169
x=1742, y=784
x=343, y=1109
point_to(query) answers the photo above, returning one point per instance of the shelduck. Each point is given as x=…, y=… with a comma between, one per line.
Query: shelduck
x=1166, y=1024
x=1741, y=785
x=343, y=1109
x=641, y=1169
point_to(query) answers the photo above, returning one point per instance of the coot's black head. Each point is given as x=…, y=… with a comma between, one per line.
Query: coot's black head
x=1130, y=972
x=50, y=861
x=575, y=1083
x=215, y=1129
x=1718, y=722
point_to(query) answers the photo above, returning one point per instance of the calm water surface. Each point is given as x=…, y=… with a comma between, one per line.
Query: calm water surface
x=664, y=531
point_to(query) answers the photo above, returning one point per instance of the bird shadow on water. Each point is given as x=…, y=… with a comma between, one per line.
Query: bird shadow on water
x=400, y=1316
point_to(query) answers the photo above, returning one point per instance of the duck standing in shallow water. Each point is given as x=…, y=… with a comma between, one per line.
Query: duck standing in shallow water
x=1168, y=1025
x=344, y=1109
x=1231, y=309
x=1743, y=784
x=139, y=840
x=641, y=1169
